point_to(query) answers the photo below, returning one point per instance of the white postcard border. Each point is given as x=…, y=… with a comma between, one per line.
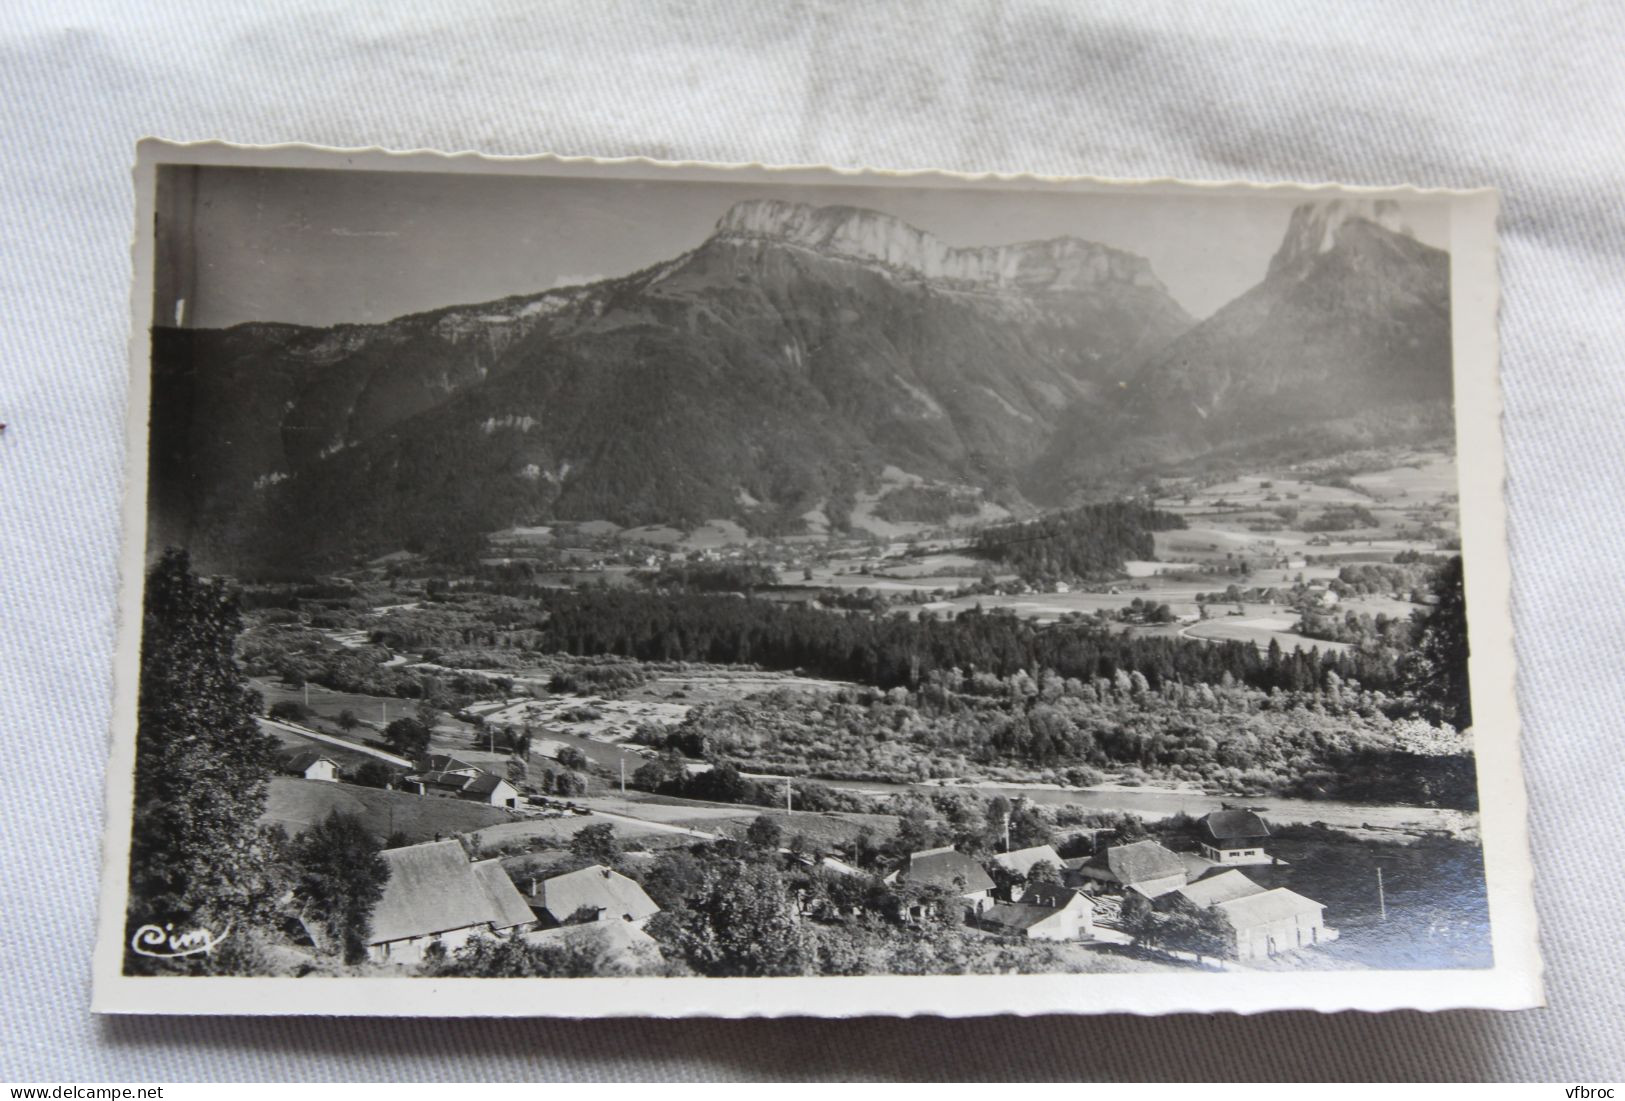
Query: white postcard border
x=1513, y=982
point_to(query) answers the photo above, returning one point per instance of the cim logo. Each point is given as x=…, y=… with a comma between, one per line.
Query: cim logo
x=161, y=942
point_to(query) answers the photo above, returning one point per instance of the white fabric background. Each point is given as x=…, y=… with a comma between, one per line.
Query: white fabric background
x=1528, y=97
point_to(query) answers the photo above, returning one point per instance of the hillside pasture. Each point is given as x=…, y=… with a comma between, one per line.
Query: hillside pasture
x=347, y=760
x=1259, y=630
x=296, y=805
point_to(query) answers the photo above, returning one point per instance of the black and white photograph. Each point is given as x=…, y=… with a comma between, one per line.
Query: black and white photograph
x=678, y=589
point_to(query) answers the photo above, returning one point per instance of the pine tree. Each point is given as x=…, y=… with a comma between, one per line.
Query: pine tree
x=1436, y=671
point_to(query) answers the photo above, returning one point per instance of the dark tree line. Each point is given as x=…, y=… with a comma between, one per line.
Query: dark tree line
x=898, y=651
x=1093, y=541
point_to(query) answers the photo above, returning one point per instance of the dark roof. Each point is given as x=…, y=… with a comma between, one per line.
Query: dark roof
x=444, y=762
x=1242, y=826
x=1137, y=863
x=302, y=760
x=1016, y=915
x=1051, y=895
x=941, y=867
x=456, y=781
x=483, y=784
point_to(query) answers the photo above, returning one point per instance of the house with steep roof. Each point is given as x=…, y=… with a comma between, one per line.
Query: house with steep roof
x=1142, y=866
x=591, y=894
x=1270, y=922
x=309, y=765
x=949, y=869
x=434, y=895
x=467, y=782
x=507, y=904
x=1020, y=861
x=1233, y=837
x=445, y=762
x=1045, y=911
x=1215, y=889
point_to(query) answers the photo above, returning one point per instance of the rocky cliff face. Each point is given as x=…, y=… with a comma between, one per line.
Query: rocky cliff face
x=773, y=371
x=1316, y=229
x=1345, y=339
x=867, y=236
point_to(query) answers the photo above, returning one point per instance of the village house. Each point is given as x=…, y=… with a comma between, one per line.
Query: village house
x=1234, y=837
x=951, y=870
x=1046, y=911
x=1224, y=887
x=591, y=894
x=435, y=896
x=1270, y=922
x=309, y=765
x=445, y=762
x=468, y=783
x=1142, y=866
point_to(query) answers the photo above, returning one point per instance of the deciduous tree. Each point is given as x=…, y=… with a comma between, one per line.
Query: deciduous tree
x=341, y=877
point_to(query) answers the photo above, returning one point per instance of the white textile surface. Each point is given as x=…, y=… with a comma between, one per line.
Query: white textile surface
x=1525, y=96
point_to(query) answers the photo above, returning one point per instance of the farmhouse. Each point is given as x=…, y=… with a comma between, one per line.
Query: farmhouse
x=620, y=947
x=445, y=762
x=1233, y=837
x=512, y=913
x=1020, y=861
x=1143, y=866
x=474, y=785
x=1224, y=887
x=434, y=895
x=592, y=894
x=949, y=869
x=1271, y=922
x=1046, y=912
x=309, y=765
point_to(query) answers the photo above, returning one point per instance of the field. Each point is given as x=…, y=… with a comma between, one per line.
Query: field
x=1437, y=915
x=297, y=804
x=1260, y=630
x=823, y=831
x=347, y=760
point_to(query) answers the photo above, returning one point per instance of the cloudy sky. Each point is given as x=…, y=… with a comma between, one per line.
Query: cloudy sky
x=318, y=247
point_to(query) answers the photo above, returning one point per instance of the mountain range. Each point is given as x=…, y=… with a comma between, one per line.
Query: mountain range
x=772, y=373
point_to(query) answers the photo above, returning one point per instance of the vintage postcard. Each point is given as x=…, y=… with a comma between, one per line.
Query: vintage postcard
x=587, y=588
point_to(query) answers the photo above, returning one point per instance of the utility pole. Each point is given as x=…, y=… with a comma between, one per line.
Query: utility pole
x=788, y=807
x=1007, y=833
x=307, y=695
x=623, y=777
x=1382, y=900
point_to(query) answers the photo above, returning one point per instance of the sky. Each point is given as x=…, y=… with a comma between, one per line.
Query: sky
x=320, y=247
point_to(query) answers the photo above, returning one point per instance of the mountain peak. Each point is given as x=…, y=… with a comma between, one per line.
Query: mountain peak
x=1316, y=228
x=869, y=236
